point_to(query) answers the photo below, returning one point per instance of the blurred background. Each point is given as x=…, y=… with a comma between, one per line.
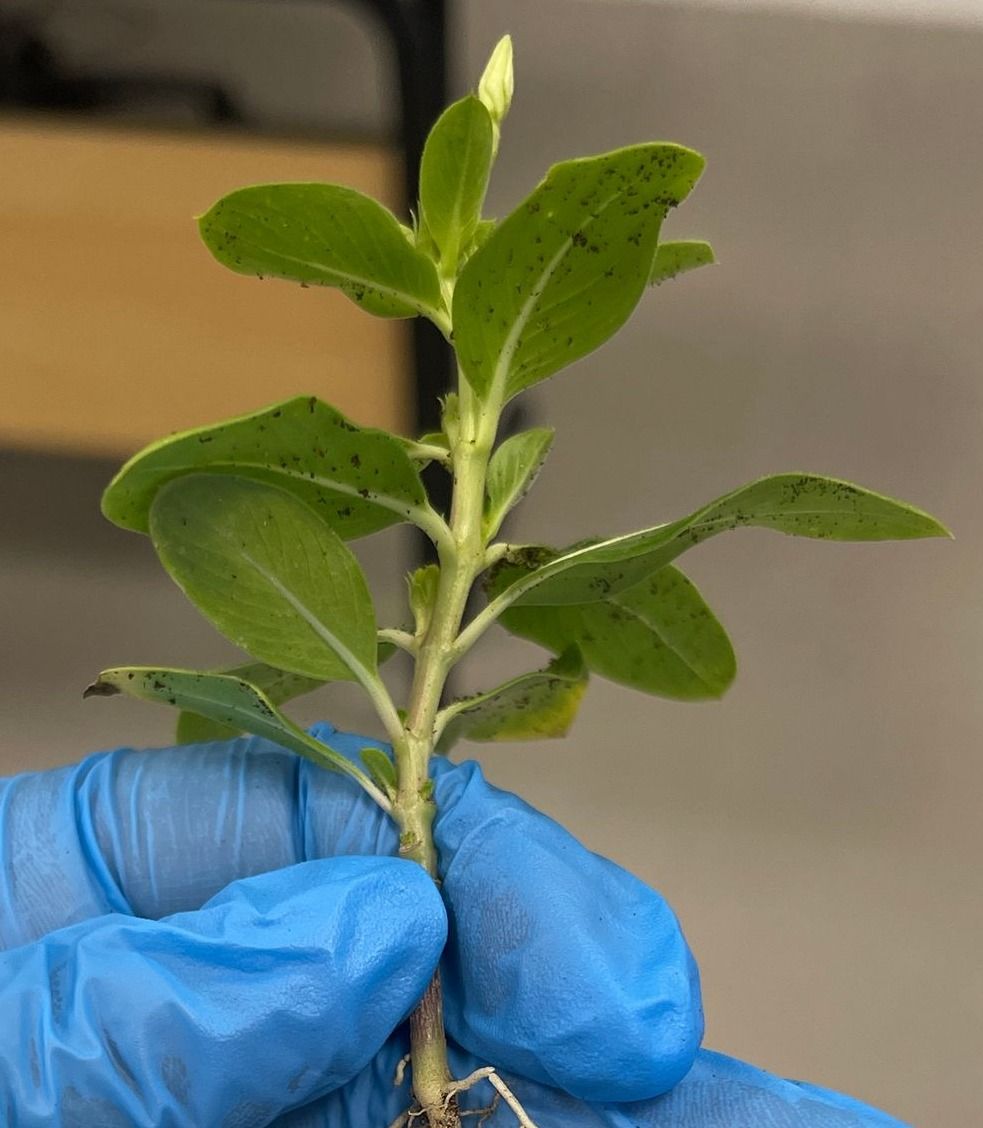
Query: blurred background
x=818, y=831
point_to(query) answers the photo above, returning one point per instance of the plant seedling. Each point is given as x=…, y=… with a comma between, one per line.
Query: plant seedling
x=251, y=516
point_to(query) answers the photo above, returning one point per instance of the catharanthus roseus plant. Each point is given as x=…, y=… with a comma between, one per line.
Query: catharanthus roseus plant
x=251, y=516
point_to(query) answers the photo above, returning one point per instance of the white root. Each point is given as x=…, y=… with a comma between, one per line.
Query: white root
x=487, y=1073
x=400, y=1073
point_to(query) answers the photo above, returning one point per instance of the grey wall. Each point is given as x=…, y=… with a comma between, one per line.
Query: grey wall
x=818, y=831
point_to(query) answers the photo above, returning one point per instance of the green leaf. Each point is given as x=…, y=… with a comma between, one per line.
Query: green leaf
x=228, y=701
x=358, y=478
x=192, y=728
x=511, y=472
x=278, y=685
x=804, y=505
x=381, y=769
x=658, y=636
x=268, y=573
x=323, y=235
x=423, y=584
x=454, y=174
x=534, y=706
x=672, y=259
x=565, y=270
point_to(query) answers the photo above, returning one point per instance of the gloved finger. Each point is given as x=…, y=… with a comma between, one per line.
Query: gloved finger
x=561, y=966
x=161, y=831
x=282, y=988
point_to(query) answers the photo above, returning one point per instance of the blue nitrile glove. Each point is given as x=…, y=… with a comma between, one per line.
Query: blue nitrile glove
x=148, y=977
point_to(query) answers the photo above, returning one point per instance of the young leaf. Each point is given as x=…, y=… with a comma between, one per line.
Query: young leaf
x=804, y=505
x=511, y=472
x=565, y=270
x=381, y=769
x=268, y=573
x=435, y=438
x=226, y=700
x=423, y=583
x=672, y=259
x=450, y=417
x=278, y=686
x=324, y=235
x=658, y=636
x=454, y=177
x=358, y=478
x=533, y=706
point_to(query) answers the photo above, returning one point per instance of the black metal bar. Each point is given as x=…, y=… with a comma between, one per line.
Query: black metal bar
x=418, y=29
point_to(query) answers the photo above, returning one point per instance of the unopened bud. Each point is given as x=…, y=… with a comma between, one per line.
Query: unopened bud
x=498, y=81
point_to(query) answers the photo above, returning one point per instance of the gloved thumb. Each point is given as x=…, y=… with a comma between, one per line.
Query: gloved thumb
x=279, y=990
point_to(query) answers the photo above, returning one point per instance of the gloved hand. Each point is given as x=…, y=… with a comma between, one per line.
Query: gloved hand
x=172, y=954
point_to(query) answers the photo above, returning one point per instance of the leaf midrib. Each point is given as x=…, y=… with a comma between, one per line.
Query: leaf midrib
x=357, y=667
x=700, y=675
x=500, y=375
x=355, y=279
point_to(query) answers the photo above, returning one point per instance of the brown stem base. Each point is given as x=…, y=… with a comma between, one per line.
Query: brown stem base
x=432, y=1084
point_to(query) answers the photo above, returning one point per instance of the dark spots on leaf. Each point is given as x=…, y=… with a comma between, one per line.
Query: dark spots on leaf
x=356, y=461
x=205, y=438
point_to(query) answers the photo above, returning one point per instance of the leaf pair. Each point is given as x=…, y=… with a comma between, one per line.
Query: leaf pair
x=546, y=286
x=274, y=577
x=639, y=621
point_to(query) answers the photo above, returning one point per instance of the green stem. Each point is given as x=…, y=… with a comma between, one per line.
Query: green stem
x=461, y=559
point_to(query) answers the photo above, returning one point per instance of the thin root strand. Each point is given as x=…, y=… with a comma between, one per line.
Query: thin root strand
x=487, y=1073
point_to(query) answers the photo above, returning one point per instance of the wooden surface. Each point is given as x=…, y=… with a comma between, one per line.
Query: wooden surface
x=116, y=326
